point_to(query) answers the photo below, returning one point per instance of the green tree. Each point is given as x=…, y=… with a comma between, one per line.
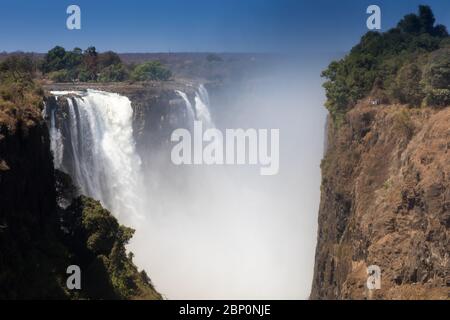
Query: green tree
x=97, y=242
x=437, y=78
x=152, y=70
x=54, y=60
x=410, y=24
x=108, y=58
x=17, y=68
x=73, y=59
x=90, y=64
x=408, y=88
x=58, y=59
x=427, y=20
x=392, y=63
x=113, y=73
x=60, y=76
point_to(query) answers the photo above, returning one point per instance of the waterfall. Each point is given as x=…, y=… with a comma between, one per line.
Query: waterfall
x=104, y=162
x=202, y=107
x=101, y=158
x=100, y=148
x=190, y=110
x=200, y=112
x=56, y=142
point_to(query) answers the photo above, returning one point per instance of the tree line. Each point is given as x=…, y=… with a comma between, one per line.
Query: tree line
x=77, y=65
x=409, y=64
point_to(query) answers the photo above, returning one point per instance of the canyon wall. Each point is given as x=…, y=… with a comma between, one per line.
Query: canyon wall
x=39, y=238
x=30, y=260
x=385, y=201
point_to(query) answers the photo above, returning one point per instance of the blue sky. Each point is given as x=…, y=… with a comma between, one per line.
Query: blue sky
x=199, y=25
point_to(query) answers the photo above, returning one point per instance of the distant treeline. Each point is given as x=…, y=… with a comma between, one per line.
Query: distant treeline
x=77, y=65
x=88, y=65
x=409, y=64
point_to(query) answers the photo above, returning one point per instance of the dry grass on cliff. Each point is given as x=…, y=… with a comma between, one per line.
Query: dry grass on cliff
x=20, y=102
x=392, y=164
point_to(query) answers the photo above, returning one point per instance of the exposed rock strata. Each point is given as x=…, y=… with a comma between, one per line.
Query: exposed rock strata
x=385, y=201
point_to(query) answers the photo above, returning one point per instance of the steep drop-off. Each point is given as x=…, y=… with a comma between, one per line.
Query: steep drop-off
x=30, y=265
x=38, y=238
x=385, y=201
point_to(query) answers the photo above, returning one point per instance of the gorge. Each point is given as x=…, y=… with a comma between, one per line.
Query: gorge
x=87, y=175
x=195, y=218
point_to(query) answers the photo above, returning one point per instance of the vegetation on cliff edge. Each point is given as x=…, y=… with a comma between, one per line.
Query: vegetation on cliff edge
x=89, y=65
x=408, y=64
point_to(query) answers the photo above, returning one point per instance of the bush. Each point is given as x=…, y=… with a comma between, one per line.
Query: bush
x=97, y=242
x=438, y=98
x=408, y=88
x=403, y=123
x=437, y=78
x=437, y=71
x=17, y=88
x=113, y=73
x=152, y=70
x=17, y=68
x=62, y=66
x=59, y=76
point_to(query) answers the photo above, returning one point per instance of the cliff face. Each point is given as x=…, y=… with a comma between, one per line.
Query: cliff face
x=385, y=201
x=29, y=258
x=39, y=239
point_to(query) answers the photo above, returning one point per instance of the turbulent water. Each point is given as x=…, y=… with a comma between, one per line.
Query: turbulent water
x=202, y=232
x=200, y=110
x=202, y=106
x=56, y=143
x=104, y=163
x=190, y=109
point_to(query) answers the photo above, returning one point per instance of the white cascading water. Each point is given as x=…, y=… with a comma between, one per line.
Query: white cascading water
x=56, y=142
x=190, y=110
x=202, y=106
x=105, y=164
x=200, y=111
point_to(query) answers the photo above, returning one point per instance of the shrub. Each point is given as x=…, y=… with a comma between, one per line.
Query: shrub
x=97, y=242
x=152, y=70
x=438, y=98
x=112, y=73
x=59, y=76
x=437, y=78
x=403, y=123
x=408, y=87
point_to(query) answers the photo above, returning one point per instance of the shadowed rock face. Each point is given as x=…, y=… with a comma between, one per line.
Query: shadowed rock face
x=28, y=261
x=385, y=201
x=36, y=248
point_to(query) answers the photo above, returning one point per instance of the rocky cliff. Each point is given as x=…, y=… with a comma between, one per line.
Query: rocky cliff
x=38, y=238
x=385, y=201
x=29, y=261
